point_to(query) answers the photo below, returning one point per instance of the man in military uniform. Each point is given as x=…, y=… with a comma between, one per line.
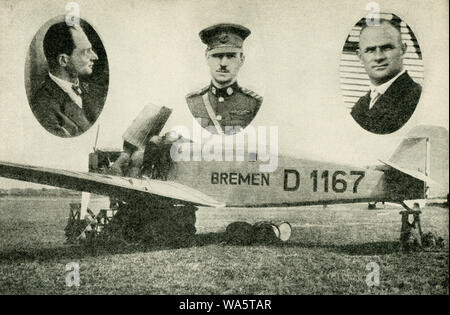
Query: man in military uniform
x=224, y=106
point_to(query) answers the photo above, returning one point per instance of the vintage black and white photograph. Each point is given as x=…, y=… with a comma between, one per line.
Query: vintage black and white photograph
x=66, y=77
x=224, y=153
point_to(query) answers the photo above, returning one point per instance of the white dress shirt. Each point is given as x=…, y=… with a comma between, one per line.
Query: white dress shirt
x=377, y=90
x=66, y=86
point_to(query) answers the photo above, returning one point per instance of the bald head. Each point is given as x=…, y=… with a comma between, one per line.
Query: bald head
x=381, y=51
x=385, y=28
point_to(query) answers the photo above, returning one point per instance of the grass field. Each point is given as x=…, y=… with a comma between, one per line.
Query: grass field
x=327, y=254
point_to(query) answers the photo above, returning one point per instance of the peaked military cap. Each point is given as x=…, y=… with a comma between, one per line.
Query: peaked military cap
x=224, y=37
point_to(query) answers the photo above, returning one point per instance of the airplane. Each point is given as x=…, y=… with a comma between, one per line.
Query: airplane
x=169, y=202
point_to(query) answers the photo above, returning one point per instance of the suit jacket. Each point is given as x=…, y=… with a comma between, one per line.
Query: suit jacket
x=235, y=110
x=59, y=115
x=392, y=109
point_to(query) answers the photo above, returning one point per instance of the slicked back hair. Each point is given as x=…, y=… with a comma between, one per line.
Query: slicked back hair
x=57, y=40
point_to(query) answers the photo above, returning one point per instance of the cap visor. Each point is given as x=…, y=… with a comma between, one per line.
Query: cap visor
x=222, y=50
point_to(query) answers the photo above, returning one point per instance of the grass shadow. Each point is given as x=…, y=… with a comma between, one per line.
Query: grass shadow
x=362, y=249
x=73, y=252
x=368, y=249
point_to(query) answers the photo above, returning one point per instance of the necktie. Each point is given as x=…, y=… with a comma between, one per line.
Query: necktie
x=76, y=89
x=374, y=96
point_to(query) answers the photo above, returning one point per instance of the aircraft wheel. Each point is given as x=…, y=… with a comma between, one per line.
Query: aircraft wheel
x=266, y=232
x=239, y=233
x=285, y=231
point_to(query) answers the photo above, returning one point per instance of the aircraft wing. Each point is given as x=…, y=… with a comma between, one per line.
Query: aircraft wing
x=413, y=173
x=115, y=186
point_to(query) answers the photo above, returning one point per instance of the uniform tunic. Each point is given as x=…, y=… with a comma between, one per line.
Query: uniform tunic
x=233, y=106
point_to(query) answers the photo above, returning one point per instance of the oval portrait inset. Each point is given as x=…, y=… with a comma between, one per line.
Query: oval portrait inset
x=381, y=73
x=66, y=77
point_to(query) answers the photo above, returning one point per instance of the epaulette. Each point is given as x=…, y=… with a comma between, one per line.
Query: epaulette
x=251, y=94
x=198, y=92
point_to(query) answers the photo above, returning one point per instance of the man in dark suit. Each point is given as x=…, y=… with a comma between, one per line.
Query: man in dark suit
x=223, y=106
x=64, y=105
x=393, y=96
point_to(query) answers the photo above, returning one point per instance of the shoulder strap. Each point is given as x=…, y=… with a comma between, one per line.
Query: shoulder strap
x=198, y=92
x=252, y=94
x=211, y=114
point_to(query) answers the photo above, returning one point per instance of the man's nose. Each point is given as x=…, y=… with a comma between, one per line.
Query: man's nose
x=379, y=54
x=94, y=55
x=224, y=61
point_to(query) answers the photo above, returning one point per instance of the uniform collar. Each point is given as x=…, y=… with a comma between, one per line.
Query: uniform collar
x=224, y=92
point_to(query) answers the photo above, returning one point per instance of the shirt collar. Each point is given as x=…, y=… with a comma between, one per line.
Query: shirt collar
x=67, y=87
x=383, y=87
x=63, y=84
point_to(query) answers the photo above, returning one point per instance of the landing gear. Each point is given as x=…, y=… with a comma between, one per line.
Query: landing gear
x=88, y=228
x=411, y=236
x=373, y=205
x=411, y=233
x=75, y=225
x=153, y=223
x=134, y=222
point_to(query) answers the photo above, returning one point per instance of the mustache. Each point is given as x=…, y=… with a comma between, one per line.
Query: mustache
x=222, y=70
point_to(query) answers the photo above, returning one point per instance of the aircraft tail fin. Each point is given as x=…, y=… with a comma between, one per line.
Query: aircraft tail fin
x=425, y=150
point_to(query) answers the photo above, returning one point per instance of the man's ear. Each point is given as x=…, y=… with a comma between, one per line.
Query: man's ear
x=63, y=60
x=404, y=47
x=358, y=53
x=242, y=59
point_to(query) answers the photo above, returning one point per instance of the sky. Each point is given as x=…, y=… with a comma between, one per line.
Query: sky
x=155, y=56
